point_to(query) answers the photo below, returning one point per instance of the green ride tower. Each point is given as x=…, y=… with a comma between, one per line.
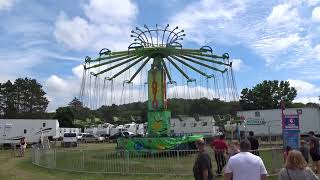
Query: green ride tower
x=158, y=115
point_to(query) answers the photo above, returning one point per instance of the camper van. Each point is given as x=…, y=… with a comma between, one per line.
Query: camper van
x=12, y=130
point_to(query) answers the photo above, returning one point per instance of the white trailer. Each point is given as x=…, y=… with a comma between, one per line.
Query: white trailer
x=91, y=130
x=202, y=125
x=261, y=121
x=116, y=129
x=131, y=127
x=104, y=129
x=12, y=130
x=142, y=129
x=139, y=129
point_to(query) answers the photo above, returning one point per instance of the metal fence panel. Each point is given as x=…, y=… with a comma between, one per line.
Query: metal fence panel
x=171, y=162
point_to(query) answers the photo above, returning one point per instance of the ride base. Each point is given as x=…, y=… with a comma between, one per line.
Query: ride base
x=158, y=143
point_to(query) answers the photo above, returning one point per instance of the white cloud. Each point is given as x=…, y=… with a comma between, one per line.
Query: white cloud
x=109, y=24
x=56, y=84
x=60, y=91
x=275, y=44
x=305, y=91
x=316, y=14
x=78, y=71
x=281, y=36
x=202, y=19
x=282, y=14
x=6, y=4
x=78, y=38
x=316, y=52
x=111, y=12
x=24, y=60
x=307, y=99
x=303, y=87
x=238, y=65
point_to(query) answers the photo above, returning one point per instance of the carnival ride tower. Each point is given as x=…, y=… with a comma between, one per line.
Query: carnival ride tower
x=158, y=48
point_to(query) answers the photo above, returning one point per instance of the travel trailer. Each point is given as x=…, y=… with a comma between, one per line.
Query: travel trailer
x=116, y=129
x=12, y=130
x=104, y=129
x=91, y=130
x=135, y=128
x=202, y=125
x=263, y=121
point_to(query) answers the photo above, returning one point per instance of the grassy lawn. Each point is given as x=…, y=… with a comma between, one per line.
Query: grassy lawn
x=21, y=168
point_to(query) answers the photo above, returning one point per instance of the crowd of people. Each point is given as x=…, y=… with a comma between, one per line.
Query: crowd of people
x=241, y=161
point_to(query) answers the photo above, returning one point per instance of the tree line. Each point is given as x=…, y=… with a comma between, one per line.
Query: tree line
x=25, y=98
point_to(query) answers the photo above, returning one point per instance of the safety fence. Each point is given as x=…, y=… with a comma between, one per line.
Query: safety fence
x=175, y=162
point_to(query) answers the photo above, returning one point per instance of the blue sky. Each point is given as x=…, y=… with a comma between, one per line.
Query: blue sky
x=48, y=40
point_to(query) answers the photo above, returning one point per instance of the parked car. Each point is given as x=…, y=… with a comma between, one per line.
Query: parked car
x=121, y=134
x=89, y=138
x=128, y=134
x=103, y=137
x=79, y=136
x=69, y=140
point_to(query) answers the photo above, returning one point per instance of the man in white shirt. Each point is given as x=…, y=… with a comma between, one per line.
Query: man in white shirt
x=245, y=165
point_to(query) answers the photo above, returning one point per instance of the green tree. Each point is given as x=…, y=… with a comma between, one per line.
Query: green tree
x=65, y=117
x=109, y=112
x=296, y=105
x=267, y=95
x=310, y=104
x=22, y=99
x=30, y=98
x=7, y=100
x=79, y=111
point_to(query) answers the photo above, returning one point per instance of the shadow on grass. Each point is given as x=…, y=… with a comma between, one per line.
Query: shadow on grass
x=38, y=173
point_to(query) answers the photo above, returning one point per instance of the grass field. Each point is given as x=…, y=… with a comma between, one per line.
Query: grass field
x=21, y=168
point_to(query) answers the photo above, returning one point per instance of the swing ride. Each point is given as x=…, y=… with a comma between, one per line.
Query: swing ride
x=157, y=63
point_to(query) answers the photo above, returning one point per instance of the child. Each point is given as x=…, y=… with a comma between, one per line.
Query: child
x=304, y=150
x=23, y=146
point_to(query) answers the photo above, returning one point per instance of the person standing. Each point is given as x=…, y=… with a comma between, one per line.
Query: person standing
x=220, y=148
x=254, y=143
x=314, y=151
x=23, y=146
x=296, y=168
x=245, y=165
x=286, y=153
x=304, y=150
x=234, y=148
x=202, y=168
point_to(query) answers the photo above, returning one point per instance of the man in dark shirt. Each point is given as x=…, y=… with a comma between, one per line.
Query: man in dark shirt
x=254, y=144
x=202, y=166
x=314, y=151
